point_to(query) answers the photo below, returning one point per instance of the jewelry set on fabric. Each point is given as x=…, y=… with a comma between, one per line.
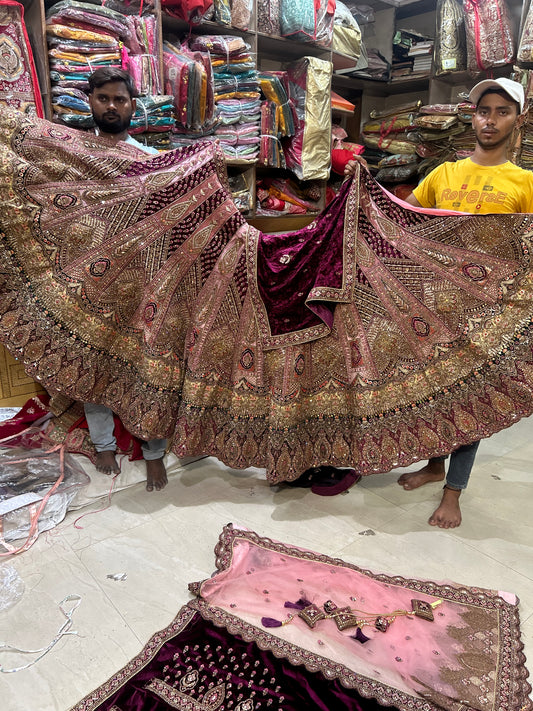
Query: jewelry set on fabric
x=347, y=617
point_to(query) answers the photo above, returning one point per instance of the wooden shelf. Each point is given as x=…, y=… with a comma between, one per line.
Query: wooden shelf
x=281, y=223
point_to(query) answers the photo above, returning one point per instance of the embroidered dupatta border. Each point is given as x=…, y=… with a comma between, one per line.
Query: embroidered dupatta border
x=149, y=651
x=511, y=661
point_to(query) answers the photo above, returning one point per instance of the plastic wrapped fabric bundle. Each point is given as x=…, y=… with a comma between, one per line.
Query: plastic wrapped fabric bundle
x=75, y=33
x=437, y=121
x=145, y=72
x=189, y=78
x=325, y=16
x=396, y=173
x=153, y=114
x=525, y=47
x=450, y=42
x=298, y=19
x=241, y=13
x=346, y=33
x=271, y=152
x=274, y=86
x=489, y=37
x=398, y=159
x=268, y=17
x=88, y=14
x=308, y=152
x=222, y=12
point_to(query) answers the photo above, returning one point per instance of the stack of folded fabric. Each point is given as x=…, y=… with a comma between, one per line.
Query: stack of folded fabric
x=153, y=120
x=275, y=195
x=189, y=78
x=402, y=64
x=391, y=130
x=236, y=94
x=83, y=37
x=445, y=133
x=421, y=51
x=277, y=118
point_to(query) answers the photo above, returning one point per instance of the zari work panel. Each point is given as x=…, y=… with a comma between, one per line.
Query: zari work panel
x=374, y=337
x=19, y=86
x=217, y=655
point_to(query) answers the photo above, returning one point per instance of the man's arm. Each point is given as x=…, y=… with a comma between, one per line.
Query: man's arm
x=412, y=200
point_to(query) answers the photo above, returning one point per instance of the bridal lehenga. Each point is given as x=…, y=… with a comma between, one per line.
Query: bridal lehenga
x=377, y=336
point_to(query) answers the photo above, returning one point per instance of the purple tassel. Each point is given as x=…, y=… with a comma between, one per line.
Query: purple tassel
x=359, y=636
x=300, y=604
x=270, y=622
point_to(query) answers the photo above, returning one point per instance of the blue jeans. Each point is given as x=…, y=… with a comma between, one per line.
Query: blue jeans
x=461, y=463
x=101, y=426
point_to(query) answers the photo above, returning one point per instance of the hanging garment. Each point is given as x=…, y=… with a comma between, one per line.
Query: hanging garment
x=19, y=86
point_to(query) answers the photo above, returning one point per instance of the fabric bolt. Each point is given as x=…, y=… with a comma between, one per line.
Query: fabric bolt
x=19, y=85
x=377, y=336
x=217, y=653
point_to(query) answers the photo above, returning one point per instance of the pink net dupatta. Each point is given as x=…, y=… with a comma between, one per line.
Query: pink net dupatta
x=377, y=336
x=468, y=657
x=19, y=86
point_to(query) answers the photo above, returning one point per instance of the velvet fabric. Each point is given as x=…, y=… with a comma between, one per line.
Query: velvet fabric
x=290, y=269
x=207, y=664
x=378, y=336
x=220, y=652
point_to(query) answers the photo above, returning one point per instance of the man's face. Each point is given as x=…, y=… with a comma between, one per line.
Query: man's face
x=494, y=120
x=112, y=107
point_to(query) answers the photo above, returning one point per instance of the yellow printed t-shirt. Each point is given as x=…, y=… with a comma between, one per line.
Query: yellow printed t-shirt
x=465, y=186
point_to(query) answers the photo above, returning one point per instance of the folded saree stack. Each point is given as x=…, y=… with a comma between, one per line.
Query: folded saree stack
x=236, y=94
x=83, y=37
x=277, y=119
x=189, y=78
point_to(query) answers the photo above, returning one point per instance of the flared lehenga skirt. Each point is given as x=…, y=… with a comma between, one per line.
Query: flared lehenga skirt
x=375, y=337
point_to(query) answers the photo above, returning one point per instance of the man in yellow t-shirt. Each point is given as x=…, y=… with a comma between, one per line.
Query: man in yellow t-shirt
x=487, y=182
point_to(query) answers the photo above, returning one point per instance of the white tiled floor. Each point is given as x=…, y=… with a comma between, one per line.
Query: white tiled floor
x=164, y=540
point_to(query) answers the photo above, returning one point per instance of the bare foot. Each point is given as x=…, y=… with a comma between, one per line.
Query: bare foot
x=156, y=475
x=433, y=471
x=106, y=463
x=448, y=514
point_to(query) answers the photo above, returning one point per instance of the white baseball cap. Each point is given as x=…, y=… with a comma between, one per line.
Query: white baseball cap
x=512, y=88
